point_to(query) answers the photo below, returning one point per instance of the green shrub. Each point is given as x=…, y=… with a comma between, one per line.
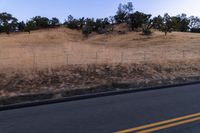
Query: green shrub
x=86, y=30
x=146, y=31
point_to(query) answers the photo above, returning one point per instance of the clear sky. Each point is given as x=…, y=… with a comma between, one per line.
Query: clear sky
x=25, y=9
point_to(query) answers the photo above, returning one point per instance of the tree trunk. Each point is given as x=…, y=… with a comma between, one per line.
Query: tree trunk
x=165, y=33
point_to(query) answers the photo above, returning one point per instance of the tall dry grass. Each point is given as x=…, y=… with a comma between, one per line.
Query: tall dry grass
x=57, y=59
x=57, y=47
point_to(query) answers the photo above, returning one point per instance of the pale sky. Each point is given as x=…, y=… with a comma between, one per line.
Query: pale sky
x=25, y=9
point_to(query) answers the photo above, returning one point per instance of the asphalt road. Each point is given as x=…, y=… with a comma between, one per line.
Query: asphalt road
x=112, y=113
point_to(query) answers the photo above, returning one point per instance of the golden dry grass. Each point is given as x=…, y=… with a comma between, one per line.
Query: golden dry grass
x=57, y=47
x=144, y=58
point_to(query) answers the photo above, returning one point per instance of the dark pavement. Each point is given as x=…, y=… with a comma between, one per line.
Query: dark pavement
x=108, y=114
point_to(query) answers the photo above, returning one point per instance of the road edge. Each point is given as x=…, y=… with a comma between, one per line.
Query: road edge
x=94, y=95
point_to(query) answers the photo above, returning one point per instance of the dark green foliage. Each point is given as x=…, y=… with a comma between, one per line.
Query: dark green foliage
x=147, y=26
x=41, y=22
x=157, y=22
x=90, y=22
x=86, y=30
x=137, y=19
x=7, y=28
x=180, y=23
x=101, y=25
x=167, y=24
x=72, y=23
x=89, y=25
x=54, y=22
x=1, y=29
x=195, y=30
x=112, y=20
x=81, y=22
x=8, y=23
x=123, y=12
x=164, y=24
x=184, y=24
x=146, y=31
x=174, y=23
x=134, y=20
x=30, y=25
x=120, y=18
x=21, y=26
x=194, y=23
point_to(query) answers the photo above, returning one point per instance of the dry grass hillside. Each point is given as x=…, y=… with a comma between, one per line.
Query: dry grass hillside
x=61, y=60
x=57, y=47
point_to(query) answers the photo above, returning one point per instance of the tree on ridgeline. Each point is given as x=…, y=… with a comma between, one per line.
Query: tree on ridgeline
x=163, y=24
x=86, y=30
x=166, y=24
x=175, y=23
x=72, y=23
x=137, y=19
x=194, y=24
x=8, y=23
x=90, y=23
x=101, y=25
x=81, y=22
x=88, y=27
x=123, y=12
x=112, y=20
x=1, y=29
x=157, y=22
x=54, y=22
x=41, y=22
x=180, y=23
x=21, y=26
x=30, y=25
x=147, y=26
x=184, y=23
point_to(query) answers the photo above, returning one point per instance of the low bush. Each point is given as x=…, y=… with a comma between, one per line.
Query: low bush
x=146, y=32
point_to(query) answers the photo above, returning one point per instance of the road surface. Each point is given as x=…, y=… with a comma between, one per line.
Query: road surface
x=162, y=111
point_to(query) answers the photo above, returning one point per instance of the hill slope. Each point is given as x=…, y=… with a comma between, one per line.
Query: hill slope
x=55, y=47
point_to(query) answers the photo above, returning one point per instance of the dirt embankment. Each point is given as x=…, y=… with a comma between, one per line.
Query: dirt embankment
x=78, y=79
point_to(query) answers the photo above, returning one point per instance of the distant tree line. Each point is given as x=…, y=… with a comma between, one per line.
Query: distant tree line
x=9, y=24
x=135, y=20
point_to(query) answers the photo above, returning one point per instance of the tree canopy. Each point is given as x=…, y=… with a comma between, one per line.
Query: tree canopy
x=125, y=14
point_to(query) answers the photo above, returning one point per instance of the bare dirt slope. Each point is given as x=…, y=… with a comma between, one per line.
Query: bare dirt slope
x=56, y=47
